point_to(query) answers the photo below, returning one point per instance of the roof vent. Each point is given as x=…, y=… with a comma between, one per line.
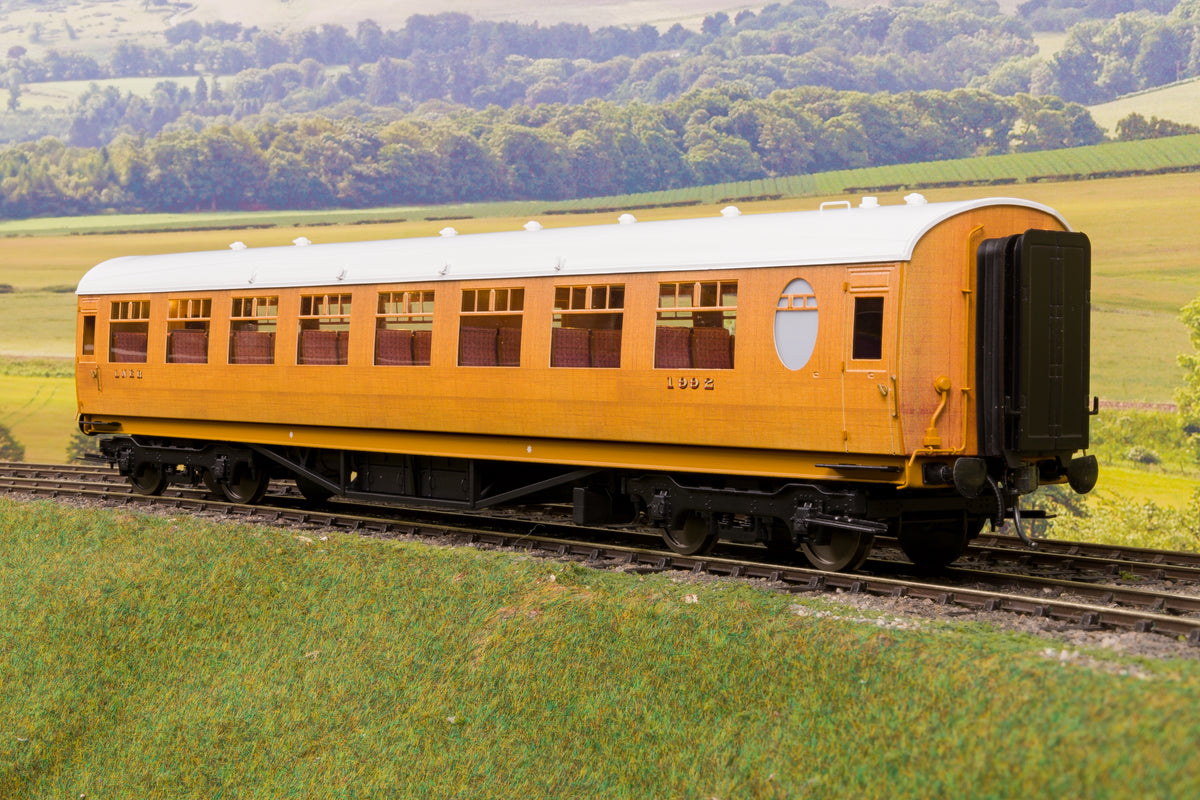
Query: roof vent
x=533, y=225
x=627, y=219
x=915, y=199
x=238, y=246
x=301, y=242
x=447, y=232
x=869, y=202
x=730, y=211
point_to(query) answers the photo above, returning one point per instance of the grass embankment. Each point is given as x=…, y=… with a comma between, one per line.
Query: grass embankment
x=155, y=657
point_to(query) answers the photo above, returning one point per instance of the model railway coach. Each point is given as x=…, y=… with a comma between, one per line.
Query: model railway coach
x=802, y=379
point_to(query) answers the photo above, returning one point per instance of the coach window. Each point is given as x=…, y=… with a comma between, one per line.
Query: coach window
x=88, y=346
x=129, y=330
x=404, y=328
x=252, y=330
x=868, y=329
x=696, y=325
x=587, y=326
x=187, y=330
x=324, y=329
x=489, y=332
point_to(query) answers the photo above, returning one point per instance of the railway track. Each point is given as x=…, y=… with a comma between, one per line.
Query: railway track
x=1080, y=585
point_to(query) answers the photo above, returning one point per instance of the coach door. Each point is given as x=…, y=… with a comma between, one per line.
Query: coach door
x=869, y=403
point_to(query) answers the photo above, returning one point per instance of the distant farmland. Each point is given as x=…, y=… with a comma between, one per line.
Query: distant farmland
x=1179, y=102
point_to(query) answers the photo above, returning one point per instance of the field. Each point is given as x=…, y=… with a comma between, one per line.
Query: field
x=1179, y=102
x=196, y=660
x=60, y=95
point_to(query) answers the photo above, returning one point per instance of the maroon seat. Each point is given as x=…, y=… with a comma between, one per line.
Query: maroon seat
x=253, y=347
x=606, y=348
x=128, y=347
x=318, y=347
x=569, y=347
x=422, y=344
x=188, y=346
x=671, y=347
x=393, y=348
x=343, y=347
x=711, y=349
x=509, y=345
x=477, y=347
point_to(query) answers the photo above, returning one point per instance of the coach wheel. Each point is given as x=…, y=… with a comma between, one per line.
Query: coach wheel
x=934, y=544
x=211, y=484
x=314, y=494
x=692, y=537
x=248, y=486
x=148, y=479
x=779, y=541
x=845, y=550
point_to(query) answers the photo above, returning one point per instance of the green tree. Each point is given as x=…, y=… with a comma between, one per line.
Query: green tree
x=536, y=161
x=10, y=448
x=1188, y=396
x=80, y=445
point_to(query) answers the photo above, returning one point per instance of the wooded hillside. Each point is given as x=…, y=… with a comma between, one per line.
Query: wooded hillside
x=449, y=108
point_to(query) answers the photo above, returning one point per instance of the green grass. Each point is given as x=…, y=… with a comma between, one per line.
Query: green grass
x=60, y=95
x=37, y=324
x=1161, y=488
x=1179, y=102
x=39, y=412
x=167, y=658
x=1049, y=42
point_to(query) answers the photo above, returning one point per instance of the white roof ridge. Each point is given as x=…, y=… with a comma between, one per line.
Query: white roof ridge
x=884, y=233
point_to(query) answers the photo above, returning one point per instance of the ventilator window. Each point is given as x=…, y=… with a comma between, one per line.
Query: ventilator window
x=695, y=325
x=587, y=326
x=129, y=329
x=868, y=329
x=252, y=330
x=187, y=330
x=489, y=332
x=404, y=328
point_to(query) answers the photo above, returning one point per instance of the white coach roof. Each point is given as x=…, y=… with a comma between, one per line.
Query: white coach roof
x=870, y=233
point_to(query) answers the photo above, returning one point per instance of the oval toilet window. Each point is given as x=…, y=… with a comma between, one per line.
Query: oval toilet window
x=796, y=324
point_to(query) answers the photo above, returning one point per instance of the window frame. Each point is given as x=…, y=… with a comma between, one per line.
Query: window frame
x=681, y=304
x=327, y=312
x=188, y=314
x=125, y=317
x=267, y=323
x=413, y=311
x=504, y=305
x=589, y=307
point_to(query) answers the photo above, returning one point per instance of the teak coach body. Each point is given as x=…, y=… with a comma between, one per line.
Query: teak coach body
x=800, y=379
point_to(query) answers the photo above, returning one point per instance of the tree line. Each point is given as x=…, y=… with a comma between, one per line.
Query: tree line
x=551, y=151
x=453, y=58
x=1103, y=59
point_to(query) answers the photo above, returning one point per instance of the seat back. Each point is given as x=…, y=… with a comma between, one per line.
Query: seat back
x=187, y=346
x=672, y=347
